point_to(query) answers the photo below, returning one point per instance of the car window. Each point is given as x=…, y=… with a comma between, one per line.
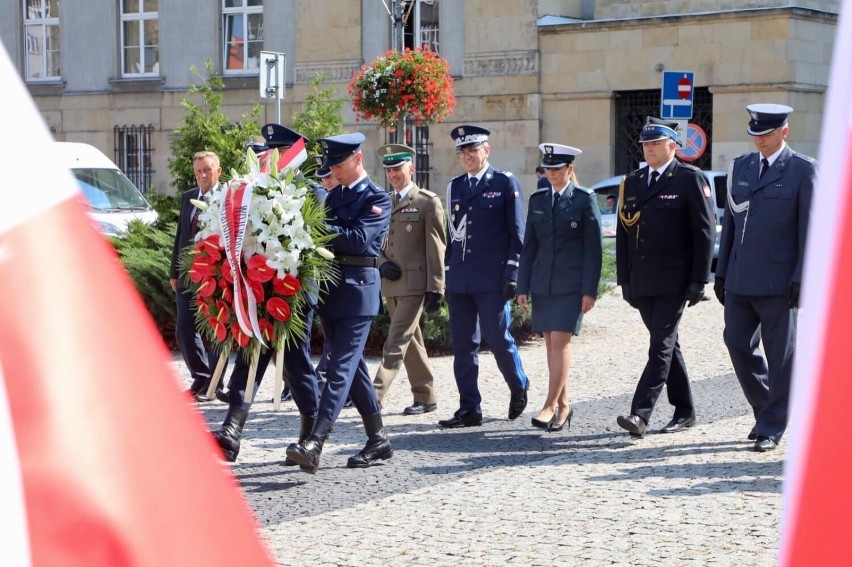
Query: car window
x=720, y=182
x=602, y=193
x=107, y=189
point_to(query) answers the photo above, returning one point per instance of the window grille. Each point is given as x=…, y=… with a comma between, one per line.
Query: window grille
x=133, y=154
x=631, y=109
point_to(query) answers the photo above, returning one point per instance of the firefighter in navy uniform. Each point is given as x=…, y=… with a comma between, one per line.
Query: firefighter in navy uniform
x=664, y=246
x=359, y=214
x=485, y=234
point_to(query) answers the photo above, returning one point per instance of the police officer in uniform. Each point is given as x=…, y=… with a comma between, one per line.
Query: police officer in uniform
x=759, y=272
x=664, y=246
x=359, y=213
x=298, y=367
x=485, y=233
x=560, y=268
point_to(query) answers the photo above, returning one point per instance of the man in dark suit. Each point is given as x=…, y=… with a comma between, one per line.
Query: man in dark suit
x=412, y=268
x=359, y=213
x=759, y=272
x=485, y=231
x=199, y=358
x=298, y=367
x=664, y=245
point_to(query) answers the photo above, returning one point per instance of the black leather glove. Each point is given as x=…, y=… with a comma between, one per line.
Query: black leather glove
x=431, y=302
x=719, y=289
x=625, y=293
x=509, y=290
x=694, y=293
x=793, y=294
x=390, y=271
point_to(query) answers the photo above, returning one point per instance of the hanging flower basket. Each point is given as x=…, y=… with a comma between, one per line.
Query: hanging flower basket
x=416, y=83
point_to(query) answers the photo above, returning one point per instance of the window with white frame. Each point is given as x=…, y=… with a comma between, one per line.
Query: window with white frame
x=243, y=41
x=41, y=33
x=421, y=24
x=140, y=37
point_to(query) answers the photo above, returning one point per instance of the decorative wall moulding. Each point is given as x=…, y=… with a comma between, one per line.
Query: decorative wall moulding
x=501, y=63
x=333, y=71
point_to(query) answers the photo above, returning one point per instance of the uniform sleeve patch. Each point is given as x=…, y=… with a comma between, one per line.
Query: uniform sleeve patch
x=706, y=189
x=376, y=210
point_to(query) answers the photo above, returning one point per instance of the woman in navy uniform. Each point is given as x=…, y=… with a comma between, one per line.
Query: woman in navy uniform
x=759, y=275
x=359, y=215
x=485, y=233
x=664, y=245
x=560, y=268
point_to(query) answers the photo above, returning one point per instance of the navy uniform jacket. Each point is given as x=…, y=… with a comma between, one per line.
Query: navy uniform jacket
x=485, y=232
x=359, y=217
x=762, y=249
x=562, y=250
x=670, y=243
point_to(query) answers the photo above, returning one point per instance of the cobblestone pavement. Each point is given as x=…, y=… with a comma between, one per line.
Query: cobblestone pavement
x=508, y=494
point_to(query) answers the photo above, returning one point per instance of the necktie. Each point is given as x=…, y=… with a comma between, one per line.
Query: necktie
x=395, y=199
x=764, y=165
x=193, y=223
x=556, y=197
x=654, y=176
x=472, y=187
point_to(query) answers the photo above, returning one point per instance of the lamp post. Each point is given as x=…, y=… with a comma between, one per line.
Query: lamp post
x=398, y=44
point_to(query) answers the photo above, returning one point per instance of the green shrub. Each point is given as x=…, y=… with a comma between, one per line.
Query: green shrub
x=145, y=252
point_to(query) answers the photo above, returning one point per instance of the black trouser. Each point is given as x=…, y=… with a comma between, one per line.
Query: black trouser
x=665, y=366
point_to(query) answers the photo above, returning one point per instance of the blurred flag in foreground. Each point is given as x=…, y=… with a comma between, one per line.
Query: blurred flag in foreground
x=102, y=459
x=817, y=485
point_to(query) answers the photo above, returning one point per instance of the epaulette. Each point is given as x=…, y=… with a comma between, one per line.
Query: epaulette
x=583, y=189
x=458, y=177
x=804, y=157
x=634, y=172
x=506, y=173
x=537, y=191
x=428, y=193
x=689, y=166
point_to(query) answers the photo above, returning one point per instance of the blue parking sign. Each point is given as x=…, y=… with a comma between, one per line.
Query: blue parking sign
x=677, y=91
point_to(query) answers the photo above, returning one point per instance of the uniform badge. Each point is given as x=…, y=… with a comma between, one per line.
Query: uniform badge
x=408, y=228
x=574, y=224
x=706, y=189
x=376, y=210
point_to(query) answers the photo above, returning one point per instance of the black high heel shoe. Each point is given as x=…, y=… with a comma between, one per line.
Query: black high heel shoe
x=558, y=426
x=544, y=424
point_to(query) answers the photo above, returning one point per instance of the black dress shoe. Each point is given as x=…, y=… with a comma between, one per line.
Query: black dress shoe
x=518, y=402
x=634, y=424
x=764, y=444
x=418, y=408
x=752, y=435
x=678, y=424
x=462, y=419
x=222, y=396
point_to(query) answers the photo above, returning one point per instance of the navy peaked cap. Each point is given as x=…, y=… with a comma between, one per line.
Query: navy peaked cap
x=468, y=135
x=766, y=117
x=335, y=149
x=278, y=136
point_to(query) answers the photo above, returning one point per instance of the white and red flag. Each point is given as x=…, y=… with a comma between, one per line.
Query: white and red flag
x=102, y=459
x=817, y=485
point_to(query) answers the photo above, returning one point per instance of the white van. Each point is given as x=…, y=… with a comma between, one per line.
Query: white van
x=112, y=198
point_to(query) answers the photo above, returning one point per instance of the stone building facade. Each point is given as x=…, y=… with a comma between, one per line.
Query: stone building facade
x=581, y=72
